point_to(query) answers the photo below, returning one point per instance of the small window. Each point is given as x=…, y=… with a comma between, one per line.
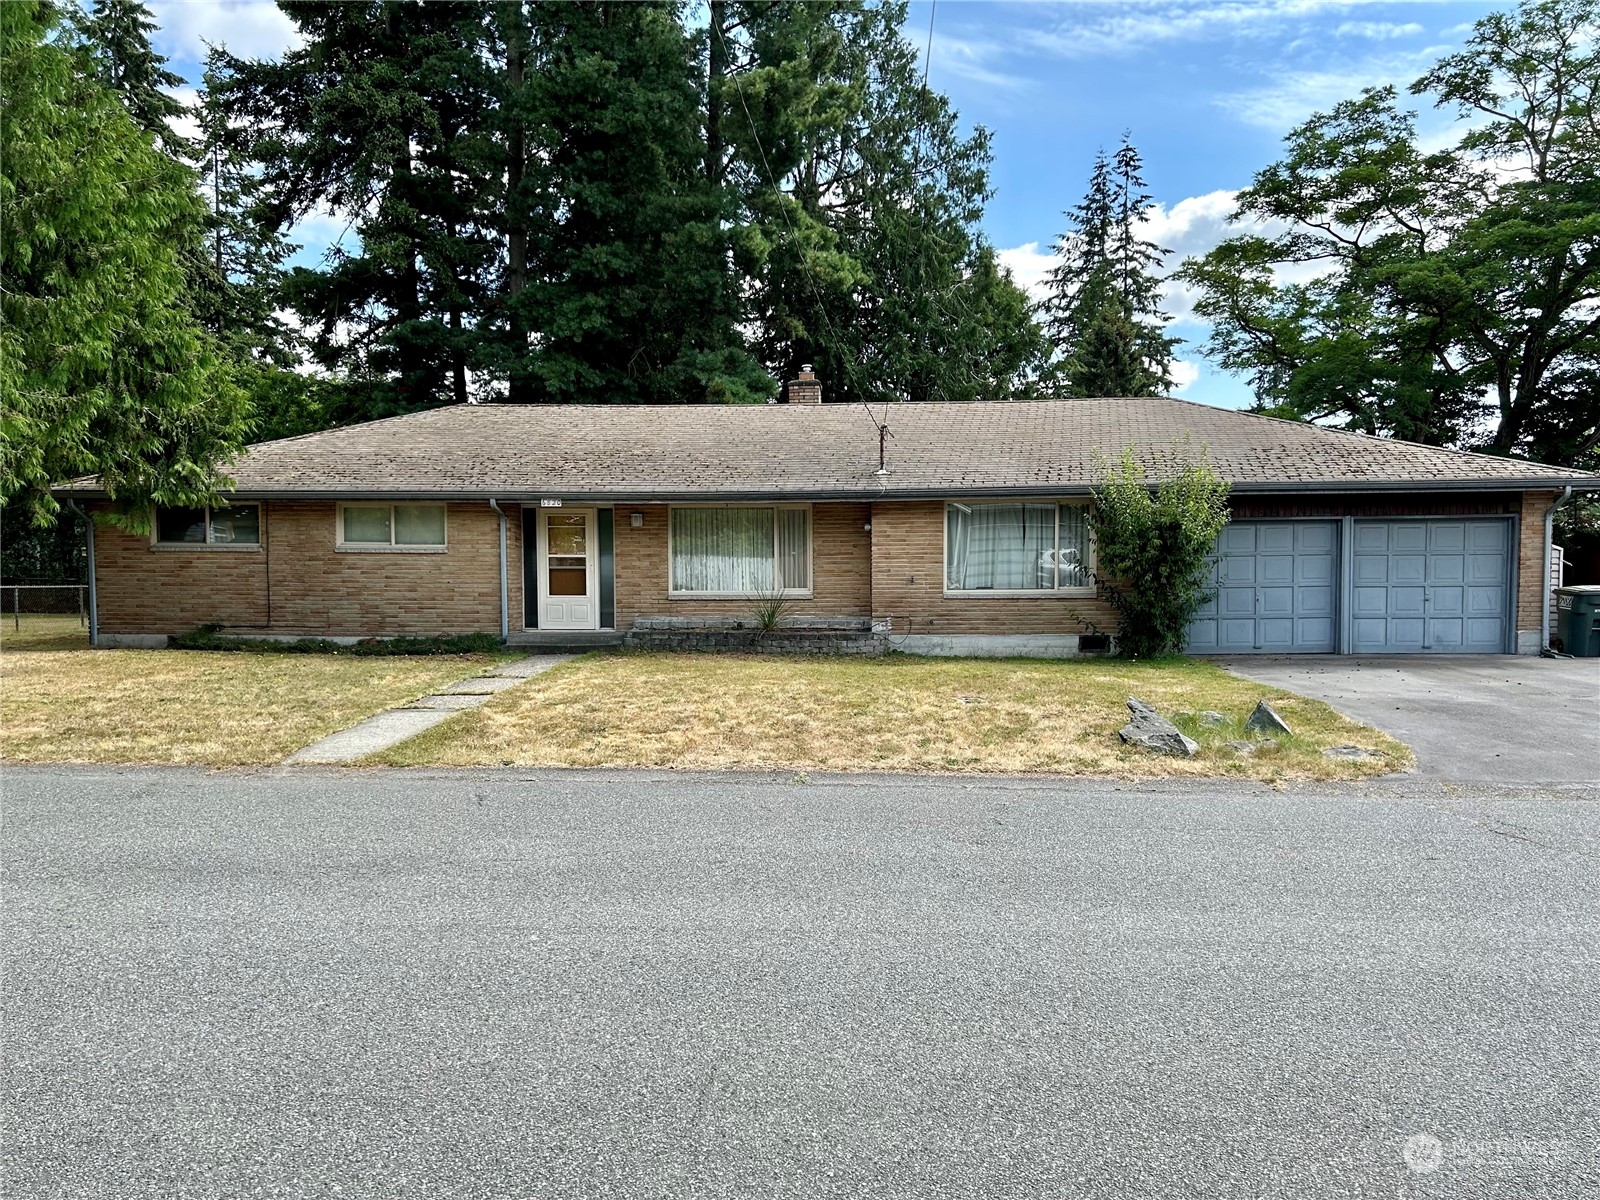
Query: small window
x=740, y=551
x=221, y=525
x=378, y=526
x=1029, y=547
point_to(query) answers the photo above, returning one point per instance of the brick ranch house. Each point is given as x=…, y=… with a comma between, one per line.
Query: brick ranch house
x=591, y=524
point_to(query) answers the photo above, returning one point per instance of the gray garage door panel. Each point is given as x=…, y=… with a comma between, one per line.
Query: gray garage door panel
x=1275, y=584
x=1436, y=586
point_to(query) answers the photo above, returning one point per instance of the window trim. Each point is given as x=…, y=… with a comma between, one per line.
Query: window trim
x=208, y=546
x=951, y=593
x=805, y=593
x=341, y=546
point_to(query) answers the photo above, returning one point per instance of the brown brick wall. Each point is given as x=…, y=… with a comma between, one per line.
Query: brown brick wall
x=298, y=583
x=908, y=584
x=1531, y=599
x=841, y=567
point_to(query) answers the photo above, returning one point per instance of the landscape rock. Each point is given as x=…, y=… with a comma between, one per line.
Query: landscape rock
x=1152, y=731
x=1252, y=747
x=1212, y=719
x=1263, y=720
x=1351, y=754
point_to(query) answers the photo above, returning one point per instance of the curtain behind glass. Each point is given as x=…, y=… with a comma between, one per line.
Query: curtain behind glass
x=1073, y=556
x=1001, y=547
x=794, y=567
x=722, y=550
x=419, y=524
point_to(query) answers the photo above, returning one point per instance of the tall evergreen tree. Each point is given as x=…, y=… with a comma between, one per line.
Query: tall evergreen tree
x=118, y=32
x=379, y=117
x=623, y=287
x=859, y=205
x=1103, y=311
x=103, y=368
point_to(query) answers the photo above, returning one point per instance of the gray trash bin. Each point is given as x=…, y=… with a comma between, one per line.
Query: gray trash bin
x=1578, y=619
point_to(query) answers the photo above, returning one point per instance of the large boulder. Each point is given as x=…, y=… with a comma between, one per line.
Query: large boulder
x=1263, y=719
x=1149, y=729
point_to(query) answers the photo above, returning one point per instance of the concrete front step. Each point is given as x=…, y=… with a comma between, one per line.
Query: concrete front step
x=550, y=640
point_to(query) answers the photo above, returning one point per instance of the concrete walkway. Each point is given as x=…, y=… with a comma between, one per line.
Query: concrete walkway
x=395, y=725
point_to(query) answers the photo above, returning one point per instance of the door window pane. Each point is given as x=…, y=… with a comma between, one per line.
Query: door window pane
x=567, y=534
x=722, y=550
x=236, y=523
x=419, y=524
x=180, y=525
x=367, y=526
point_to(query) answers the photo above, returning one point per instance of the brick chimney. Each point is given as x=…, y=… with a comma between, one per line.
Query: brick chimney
x=804, y=390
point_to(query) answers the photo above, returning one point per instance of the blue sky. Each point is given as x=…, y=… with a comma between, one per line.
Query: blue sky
x=1207, y=88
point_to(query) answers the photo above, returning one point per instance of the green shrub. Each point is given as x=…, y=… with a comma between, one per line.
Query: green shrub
x=1151, y=547
x=209, y=637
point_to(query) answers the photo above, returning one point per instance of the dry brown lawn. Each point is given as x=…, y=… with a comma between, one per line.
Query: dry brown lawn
x=892, y=714
x=63, y=702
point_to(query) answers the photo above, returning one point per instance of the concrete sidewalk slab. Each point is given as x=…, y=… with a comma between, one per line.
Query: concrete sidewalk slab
x=390, y=728
x=482, y=685
x=534, y=664
x=375, y=733
x=454, y=702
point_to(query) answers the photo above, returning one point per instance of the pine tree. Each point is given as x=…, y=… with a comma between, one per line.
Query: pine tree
x=859, y=204
x=238, y=270
x=119, y=32
x=378, y=116
x=625, y=277
x=1103, y=311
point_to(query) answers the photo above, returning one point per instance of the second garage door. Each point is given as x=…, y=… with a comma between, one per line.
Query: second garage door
x=1275, y=584
x=1430, y=587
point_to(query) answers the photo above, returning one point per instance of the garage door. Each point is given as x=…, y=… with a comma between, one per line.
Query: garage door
x=1275, y=583
x=1436, y=586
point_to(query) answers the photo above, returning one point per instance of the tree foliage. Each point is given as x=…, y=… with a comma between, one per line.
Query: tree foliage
x=594, y=202
x=103, y=368
x=1452, y=294
x=1151, y=547
x=1103, y=310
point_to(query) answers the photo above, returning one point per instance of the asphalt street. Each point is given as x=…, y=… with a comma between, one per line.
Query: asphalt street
x=309, y=983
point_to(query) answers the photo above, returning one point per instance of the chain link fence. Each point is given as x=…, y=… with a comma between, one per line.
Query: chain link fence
x=18, y=600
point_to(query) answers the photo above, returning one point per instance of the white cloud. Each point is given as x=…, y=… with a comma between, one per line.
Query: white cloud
x=1377, y=31
x=249, y=28
x=1293, y=93
x=1029, y=267
x=975, y=59
x=1184, y=374
x=1096, y=29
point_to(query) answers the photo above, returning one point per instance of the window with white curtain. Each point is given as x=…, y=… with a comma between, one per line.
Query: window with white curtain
x=1021, y=547
x=740, y=551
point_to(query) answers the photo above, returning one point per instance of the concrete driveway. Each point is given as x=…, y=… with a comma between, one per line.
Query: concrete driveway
x=1486, y=718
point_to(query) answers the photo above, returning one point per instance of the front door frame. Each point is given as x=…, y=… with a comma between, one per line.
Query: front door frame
x=542, y=517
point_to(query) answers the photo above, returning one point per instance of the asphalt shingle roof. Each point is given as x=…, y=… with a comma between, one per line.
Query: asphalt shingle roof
x=831, y=451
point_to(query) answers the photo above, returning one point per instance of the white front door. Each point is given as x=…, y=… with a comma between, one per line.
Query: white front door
x=569, y=595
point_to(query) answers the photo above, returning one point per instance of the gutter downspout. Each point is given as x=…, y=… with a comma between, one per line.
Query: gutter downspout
x=1544, y=595
x=506, y=592
x=94, y=597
